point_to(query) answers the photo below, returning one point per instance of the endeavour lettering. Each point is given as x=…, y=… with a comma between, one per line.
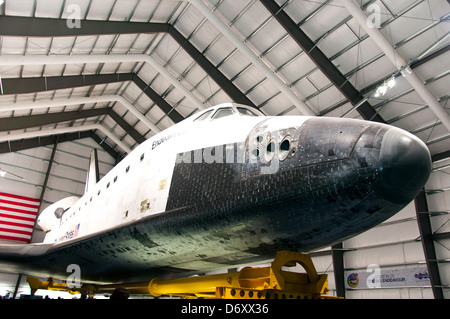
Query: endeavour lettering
x=155, y=144
x=66, y=236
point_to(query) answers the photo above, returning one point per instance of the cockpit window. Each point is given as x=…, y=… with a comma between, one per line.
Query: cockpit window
x=247, y=112
x=226, y=111
x=203, y=116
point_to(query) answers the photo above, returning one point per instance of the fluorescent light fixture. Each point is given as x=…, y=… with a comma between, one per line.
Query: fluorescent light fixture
x=391, y=83
x=2, y=173
x=383, y=89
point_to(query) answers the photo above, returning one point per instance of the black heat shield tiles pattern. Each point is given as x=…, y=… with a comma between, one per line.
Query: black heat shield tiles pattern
x=223, y=214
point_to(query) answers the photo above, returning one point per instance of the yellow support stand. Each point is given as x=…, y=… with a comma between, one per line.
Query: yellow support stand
x=249, y=283
x=36, y=284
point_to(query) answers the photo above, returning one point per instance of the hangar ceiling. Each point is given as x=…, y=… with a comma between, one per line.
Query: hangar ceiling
x=294, y=57
x=79, y=74
x=119, y=71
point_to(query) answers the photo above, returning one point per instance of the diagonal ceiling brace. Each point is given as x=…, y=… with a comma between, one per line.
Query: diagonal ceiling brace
x=82, y=100
x=322, y=62
x=62, y=130
x=23, y=122
x=15, y=146
x=399, y=62
x=42, y=84
x=112, y=58
x=46, y=27
x=426, y=234
x=49, y=83
x=28, y=121
x=254, y=58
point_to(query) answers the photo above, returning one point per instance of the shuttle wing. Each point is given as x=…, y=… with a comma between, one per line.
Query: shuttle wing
x=13, y=257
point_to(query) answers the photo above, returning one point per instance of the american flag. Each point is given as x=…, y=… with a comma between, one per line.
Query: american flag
x=17, y=216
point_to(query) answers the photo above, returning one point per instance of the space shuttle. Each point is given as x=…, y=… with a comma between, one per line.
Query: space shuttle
x=227, y=186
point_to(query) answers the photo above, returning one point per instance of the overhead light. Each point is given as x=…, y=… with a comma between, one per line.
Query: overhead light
x=391, y=83
x=3, y=174
x=383, y=88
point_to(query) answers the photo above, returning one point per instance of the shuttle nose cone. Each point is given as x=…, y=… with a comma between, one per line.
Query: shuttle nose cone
x=405, y=166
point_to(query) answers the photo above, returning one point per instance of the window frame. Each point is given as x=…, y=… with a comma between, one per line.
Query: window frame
x=223, y=109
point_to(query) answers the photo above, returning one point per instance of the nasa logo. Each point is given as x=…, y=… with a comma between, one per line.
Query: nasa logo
x=353, y=280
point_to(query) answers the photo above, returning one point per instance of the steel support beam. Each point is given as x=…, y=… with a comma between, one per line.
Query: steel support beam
x=81, y=100
x=110, y=150
x=322, y=62
x=424, y=223
x=138, y=137
x=15, y=146
x=256, y=60
x=227, y=86
x=16, y=288
x=45, y=183
x=42, y=84
x=45, y=27
x=413, y=65
x=63, y=130
x=99, y=59
x=430, y=57
x=155, y=97
x=23, y=122
x=399, y=62
x=441, y=236
x=337, y=251
x=441, y=156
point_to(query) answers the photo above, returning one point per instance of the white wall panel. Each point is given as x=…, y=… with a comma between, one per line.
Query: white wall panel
x=384, y=256
x=386, y=234
x=403, y=293
x=444, y=266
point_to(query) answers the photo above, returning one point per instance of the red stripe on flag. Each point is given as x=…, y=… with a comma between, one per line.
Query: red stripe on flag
x=15, y=210
x=17, y=216
x=16, y=231
x=7, y=223
x=26, y=240
x=4, y=201
x=28, y=219
x=20, y=197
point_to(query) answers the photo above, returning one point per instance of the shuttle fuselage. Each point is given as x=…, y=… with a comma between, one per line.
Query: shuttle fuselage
x=229, y=186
